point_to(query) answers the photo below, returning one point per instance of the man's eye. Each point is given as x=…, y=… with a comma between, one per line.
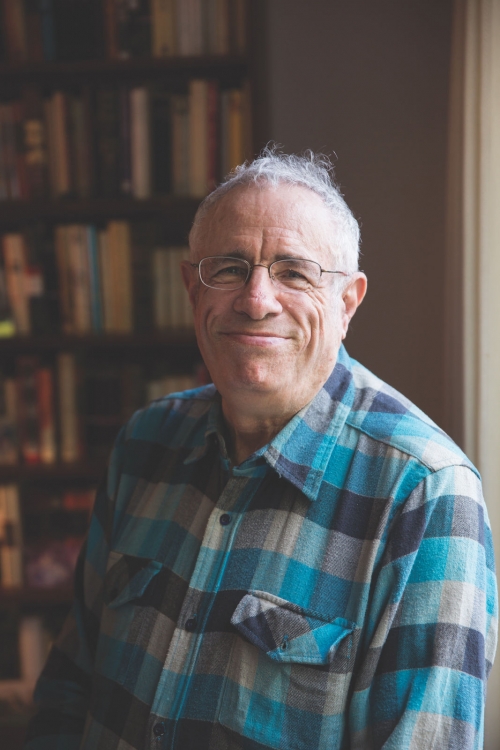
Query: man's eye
x=234, y=271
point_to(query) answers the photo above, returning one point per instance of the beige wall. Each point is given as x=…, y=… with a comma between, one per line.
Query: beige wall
x=369, y=81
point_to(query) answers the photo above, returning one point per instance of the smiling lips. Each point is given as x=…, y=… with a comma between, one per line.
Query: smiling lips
x=257, y=338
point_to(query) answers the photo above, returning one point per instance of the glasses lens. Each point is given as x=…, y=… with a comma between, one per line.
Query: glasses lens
x=220, y=272
x=296, y=273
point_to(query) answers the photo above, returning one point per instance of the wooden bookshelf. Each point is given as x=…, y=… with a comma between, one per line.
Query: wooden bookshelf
x=177, y=211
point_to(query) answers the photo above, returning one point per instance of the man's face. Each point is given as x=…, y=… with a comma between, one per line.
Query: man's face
x=261, y=338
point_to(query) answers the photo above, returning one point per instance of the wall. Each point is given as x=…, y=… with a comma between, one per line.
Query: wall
x=369, y=81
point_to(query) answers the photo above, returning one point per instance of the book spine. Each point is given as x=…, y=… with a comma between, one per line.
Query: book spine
x=45, y=392
x=107, y=288
x=29, y=418
x=140, y=142
x=11, y=547
x=108, y=141
x=180, y=144
x=8, y=422
x=14, y=23
x=59, y=105
x=236, y=146
x=198, y=138
x=80, y=147
x=65, y=299
x=125, y=142
x=212, y=134
x=14, y=253
x=121, y=263
x=48, y=30
x=34, y=42
x=160, y=273
x=68, y=408
x=77, y=252
x=110, y=29
x=163, y=28
x=161, y=141
x=95, y=283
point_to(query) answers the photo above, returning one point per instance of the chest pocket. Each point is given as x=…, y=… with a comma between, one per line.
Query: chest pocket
x=127, y=578
x=287, y=633
x=288, y=676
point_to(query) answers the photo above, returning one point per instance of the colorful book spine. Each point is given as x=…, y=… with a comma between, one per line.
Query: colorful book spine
x=28, y=409
x=14, y=254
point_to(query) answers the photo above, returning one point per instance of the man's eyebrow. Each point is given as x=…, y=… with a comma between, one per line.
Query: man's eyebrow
x=243, y=254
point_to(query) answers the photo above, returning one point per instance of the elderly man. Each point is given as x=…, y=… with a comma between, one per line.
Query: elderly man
x=295, y=557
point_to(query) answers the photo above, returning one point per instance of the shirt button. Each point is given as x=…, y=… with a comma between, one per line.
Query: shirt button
x=225, y=519
x=159, y=729
x=190, y=624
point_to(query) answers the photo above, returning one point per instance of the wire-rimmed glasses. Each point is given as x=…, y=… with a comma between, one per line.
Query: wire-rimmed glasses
x=227, y=274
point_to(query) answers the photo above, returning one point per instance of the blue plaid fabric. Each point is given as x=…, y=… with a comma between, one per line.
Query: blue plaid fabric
x=335, y=590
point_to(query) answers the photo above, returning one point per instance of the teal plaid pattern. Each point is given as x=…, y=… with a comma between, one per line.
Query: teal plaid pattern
x=335, y=590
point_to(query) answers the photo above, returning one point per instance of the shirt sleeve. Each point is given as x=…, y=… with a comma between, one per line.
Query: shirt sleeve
x=431, y=632
x=63, y=690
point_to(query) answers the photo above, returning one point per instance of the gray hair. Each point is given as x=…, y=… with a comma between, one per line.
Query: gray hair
x=310, y=170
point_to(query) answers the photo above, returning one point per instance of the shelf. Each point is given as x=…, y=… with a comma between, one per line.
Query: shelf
x=91, y=471
x=177, y=340
x=229, y=70
x=35, y=595
x=176, y=210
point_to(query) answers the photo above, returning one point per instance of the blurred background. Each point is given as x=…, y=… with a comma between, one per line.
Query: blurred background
x=116, y=117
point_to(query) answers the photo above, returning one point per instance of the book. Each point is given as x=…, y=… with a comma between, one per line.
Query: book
x=163, y=25
x=140, y=142
x=198, y=138
x=11, y=537
x=9, y=447
x=79, y=278
x=161, y=136
x=107, y=114
x=133, y=28
x=34, y=37
x=120, y=254
x=47, y=427
x=14, y=23
x=56, y=116
x=14, y=255
x=79, y=107
x=189, y=24
x=65, y=301
x=28, y=409
x=69, y=423
x=125, y=155
x=180, y=144
x=48, y=29
x=96, y=313
x=7, y=324
x=34, y=140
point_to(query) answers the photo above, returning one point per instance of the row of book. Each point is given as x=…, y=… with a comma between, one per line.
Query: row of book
x=66, y=412
x=85, y=280
x=68, y=30
x=124, y=141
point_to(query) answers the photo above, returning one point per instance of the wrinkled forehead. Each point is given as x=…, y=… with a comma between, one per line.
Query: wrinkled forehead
x=254, y=214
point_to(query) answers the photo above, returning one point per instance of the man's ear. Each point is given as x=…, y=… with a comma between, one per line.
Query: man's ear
x=190, y=279
x=352, y=297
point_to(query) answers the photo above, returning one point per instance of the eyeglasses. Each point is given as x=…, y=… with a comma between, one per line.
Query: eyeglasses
x=226, y=273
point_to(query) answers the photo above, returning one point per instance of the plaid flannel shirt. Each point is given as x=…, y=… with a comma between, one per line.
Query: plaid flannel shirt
x=335, y=590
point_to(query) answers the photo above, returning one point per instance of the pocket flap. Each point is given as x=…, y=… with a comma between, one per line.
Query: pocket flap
x=286, y=632
x=127, y=578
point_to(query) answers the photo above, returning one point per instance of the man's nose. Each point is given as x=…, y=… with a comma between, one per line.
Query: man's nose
x=258, y=297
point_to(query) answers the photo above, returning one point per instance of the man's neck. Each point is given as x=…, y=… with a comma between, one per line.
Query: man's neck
x=253, y=424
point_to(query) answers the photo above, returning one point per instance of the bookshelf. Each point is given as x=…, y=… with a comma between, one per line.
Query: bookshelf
x=156, y=351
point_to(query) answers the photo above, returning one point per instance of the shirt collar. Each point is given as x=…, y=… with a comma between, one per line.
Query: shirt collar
x=300, y=452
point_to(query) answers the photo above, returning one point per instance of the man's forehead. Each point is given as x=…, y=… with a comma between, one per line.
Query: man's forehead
x=283, y=211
